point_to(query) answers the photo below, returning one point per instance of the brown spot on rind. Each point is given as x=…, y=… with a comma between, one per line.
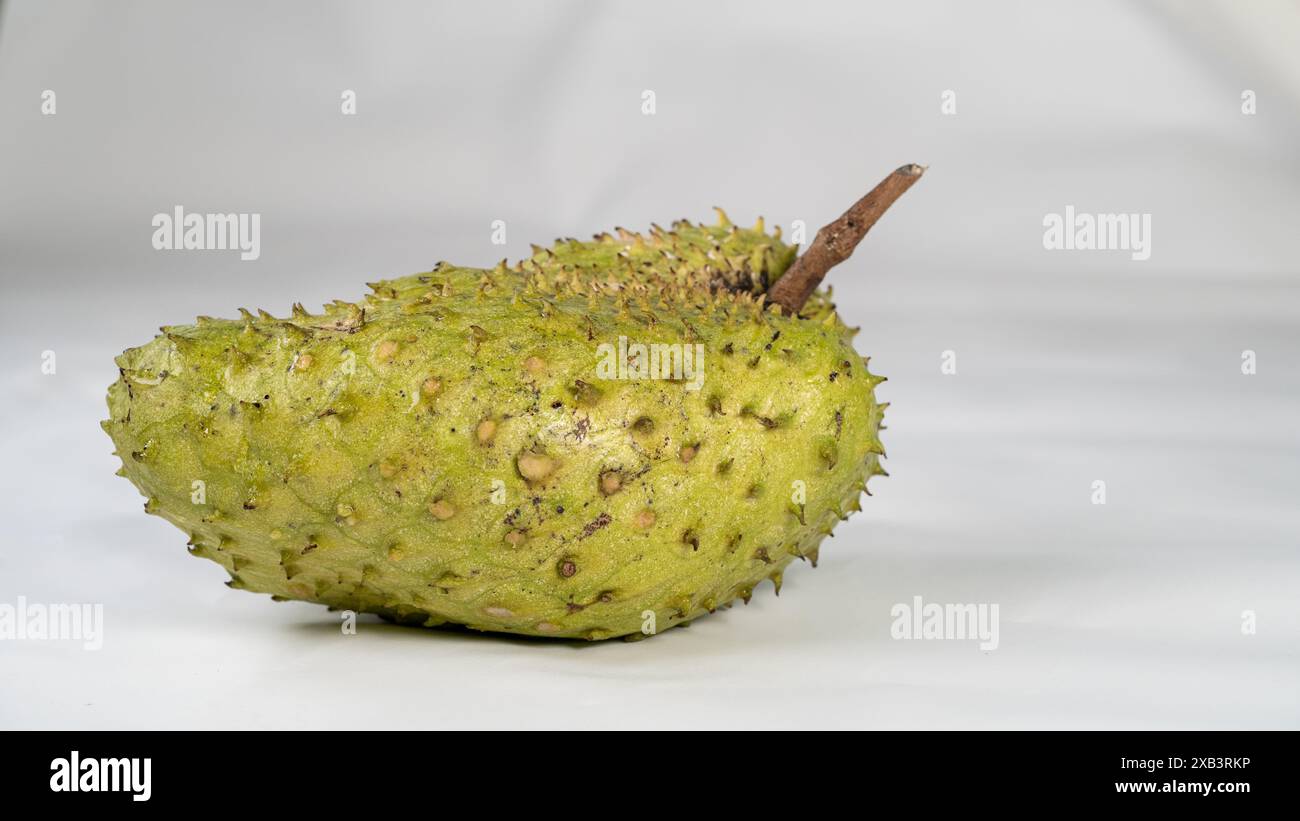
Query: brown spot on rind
x=442, y=509
x=534, y=467
x=386, y=350
x=610, y=482
x=644, y=519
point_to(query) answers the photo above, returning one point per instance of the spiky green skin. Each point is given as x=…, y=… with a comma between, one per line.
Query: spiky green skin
x=362, y=488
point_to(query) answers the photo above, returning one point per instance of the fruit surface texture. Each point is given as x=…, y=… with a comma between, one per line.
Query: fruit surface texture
x=609, y=438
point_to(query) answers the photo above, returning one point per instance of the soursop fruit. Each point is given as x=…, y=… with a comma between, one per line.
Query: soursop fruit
x=607, y=438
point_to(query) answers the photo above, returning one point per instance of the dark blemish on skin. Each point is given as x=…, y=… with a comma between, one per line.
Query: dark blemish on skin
x=581, y=428
x=834, y=375
x=596, y=524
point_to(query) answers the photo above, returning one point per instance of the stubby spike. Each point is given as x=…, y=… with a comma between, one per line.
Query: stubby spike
x=835, y=242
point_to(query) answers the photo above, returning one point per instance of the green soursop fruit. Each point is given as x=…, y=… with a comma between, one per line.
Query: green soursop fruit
x=608, y=438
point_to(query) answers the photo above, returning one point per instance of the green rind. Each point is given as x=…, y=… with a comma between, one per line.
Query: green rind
x=331, y=473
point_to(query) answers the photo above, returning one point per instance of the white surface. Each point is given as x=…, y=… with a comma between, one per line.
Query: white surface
x=1071, y=367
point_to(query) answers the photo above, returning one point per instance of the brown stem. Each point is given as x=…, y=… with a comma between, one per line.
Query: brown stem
x=836, y=241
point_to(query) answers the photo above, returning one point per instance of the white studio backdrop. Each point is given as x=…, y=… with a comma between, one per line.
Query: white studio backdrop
x=1071, y=367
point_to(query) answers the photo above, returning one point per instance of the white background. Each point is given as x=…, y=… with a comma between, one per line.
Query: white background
x=1072, y=366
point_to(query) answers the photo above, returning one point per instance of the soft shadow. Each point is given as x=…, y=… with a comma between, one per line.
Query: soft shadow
x=374, y=625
